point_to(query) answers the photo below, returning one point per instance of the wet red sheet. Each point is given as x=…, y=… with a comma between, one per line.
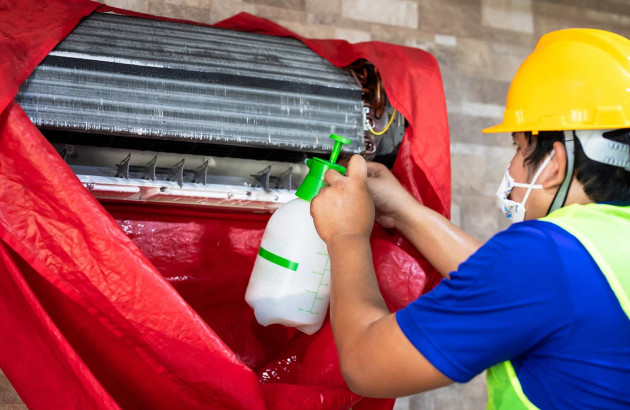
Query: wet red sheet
x=141, y=306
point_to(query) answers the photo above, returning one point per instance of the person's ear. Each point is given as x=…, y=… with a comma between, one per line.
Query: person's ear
x=555, y=171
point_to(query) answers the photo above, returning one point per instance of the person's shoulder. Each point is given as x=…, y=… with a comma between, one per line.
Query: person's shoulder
x=535, y=237
x=526, y=250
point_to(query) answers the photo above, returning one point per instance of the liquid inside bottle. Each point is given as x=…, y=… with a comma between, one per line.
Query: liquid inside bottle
x=290, y=283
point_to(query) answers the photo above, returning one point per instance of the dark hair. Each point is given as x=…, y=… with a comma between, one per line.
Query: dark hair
x=601, y=182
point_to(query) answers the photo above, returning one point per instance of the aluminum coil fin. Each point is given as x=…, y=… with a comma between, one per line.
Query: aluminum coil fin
x=145, y=78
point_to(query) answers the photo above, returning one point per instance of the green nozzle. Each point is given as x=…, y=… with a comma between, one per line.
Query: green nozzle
x=314, y=180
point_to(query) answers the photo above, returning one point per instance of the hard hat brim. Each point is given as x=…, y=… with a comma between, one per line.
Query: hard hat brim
x=499, y=128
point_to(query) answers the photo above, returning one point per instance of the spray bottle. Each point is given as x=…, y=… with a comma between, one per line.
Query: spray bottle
x=290, y=283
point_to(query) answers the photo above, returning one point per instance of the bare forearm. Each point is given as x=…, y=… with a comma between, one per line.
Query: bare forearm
x=377, y=359
x=356, y=301
x=439, y=240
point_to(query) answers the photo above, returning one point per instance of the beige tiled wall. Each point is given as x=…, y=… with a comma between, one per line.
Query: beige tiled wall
x=9, y=399
x=479, y=44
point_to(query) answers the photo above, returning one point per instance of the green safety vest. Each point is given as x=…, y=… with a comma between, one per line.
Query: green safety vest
x=604, y=230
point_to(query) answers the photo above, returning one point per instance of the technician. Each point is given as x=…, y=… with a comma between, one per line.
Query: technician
x=543, y=305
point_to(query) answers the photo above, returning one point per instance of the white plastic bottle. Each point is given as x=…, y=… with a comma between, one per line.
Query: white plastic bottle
x=290, y=282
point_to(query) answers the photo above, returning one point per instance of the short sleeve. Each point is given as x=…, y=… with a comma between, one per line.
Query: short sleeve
x=500, y=303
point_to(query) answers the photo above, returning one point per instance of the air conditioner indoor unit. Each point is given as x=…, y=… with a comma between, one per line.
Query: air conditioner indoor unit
x=156, y=111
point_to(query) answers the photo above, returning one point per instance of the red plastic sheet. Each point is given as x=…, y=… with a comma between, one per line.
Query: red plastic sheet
x=140, y=306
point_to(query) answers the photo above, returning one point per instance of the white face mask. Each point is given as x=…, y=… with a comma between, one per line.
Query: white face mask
x=515, y=211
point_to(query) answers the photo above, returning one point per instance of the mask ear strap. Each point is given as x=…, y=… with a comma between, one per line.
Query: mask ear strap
x=535, y=178
x=561, y=195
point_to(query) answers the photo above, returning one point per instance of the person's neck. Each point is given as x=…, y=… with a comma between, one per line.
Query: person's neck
x=577, y=195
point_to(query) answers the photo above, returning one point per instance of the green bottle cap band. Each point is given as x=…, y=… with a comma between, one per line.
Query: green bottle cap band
x=314, y=180
x=278, y=260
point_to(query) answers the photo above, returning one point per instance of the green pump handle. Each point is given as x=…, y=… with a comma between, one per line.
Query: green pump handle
x=314, y=180
x=339, y=142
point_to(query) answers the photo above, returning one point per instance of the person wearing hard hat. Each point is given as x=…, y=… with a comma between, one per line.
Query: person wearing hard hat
x=543, y=305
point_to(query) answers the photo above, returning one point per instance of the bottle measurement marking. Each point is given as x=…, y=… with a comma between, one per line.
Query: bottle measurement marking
x=316, y=292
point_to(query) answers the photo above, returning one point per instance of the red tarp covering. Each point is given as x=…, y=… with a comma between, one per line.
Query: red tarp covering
x=152, y=315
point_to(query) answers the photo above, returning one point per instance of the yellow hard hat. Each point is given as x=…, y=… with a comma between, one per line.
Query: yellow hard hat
x=575, y=79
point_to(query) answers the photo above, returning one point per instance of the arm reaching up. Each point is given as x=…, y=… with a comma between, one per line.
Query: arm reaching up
x=377, y=360
x=440, y=241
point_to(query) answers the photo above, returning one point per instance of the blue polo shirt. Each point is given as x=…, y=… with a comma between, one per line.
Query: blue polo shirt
x=535, y=296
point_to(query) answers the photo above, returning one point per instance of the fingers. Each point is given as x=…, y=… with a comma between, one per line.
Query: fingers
x=313, y=206
x=316, y=200
x=331, y=176
x=357, y=168
x=343, y=162
x=375, y=169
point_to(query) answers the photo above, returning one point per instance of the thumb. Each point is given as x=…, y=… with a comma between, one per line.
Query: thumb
x=357, y=168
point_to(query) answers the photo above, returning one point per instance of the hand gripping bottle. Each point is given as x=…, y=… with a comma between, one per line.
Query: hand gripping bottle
x=290, y=283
